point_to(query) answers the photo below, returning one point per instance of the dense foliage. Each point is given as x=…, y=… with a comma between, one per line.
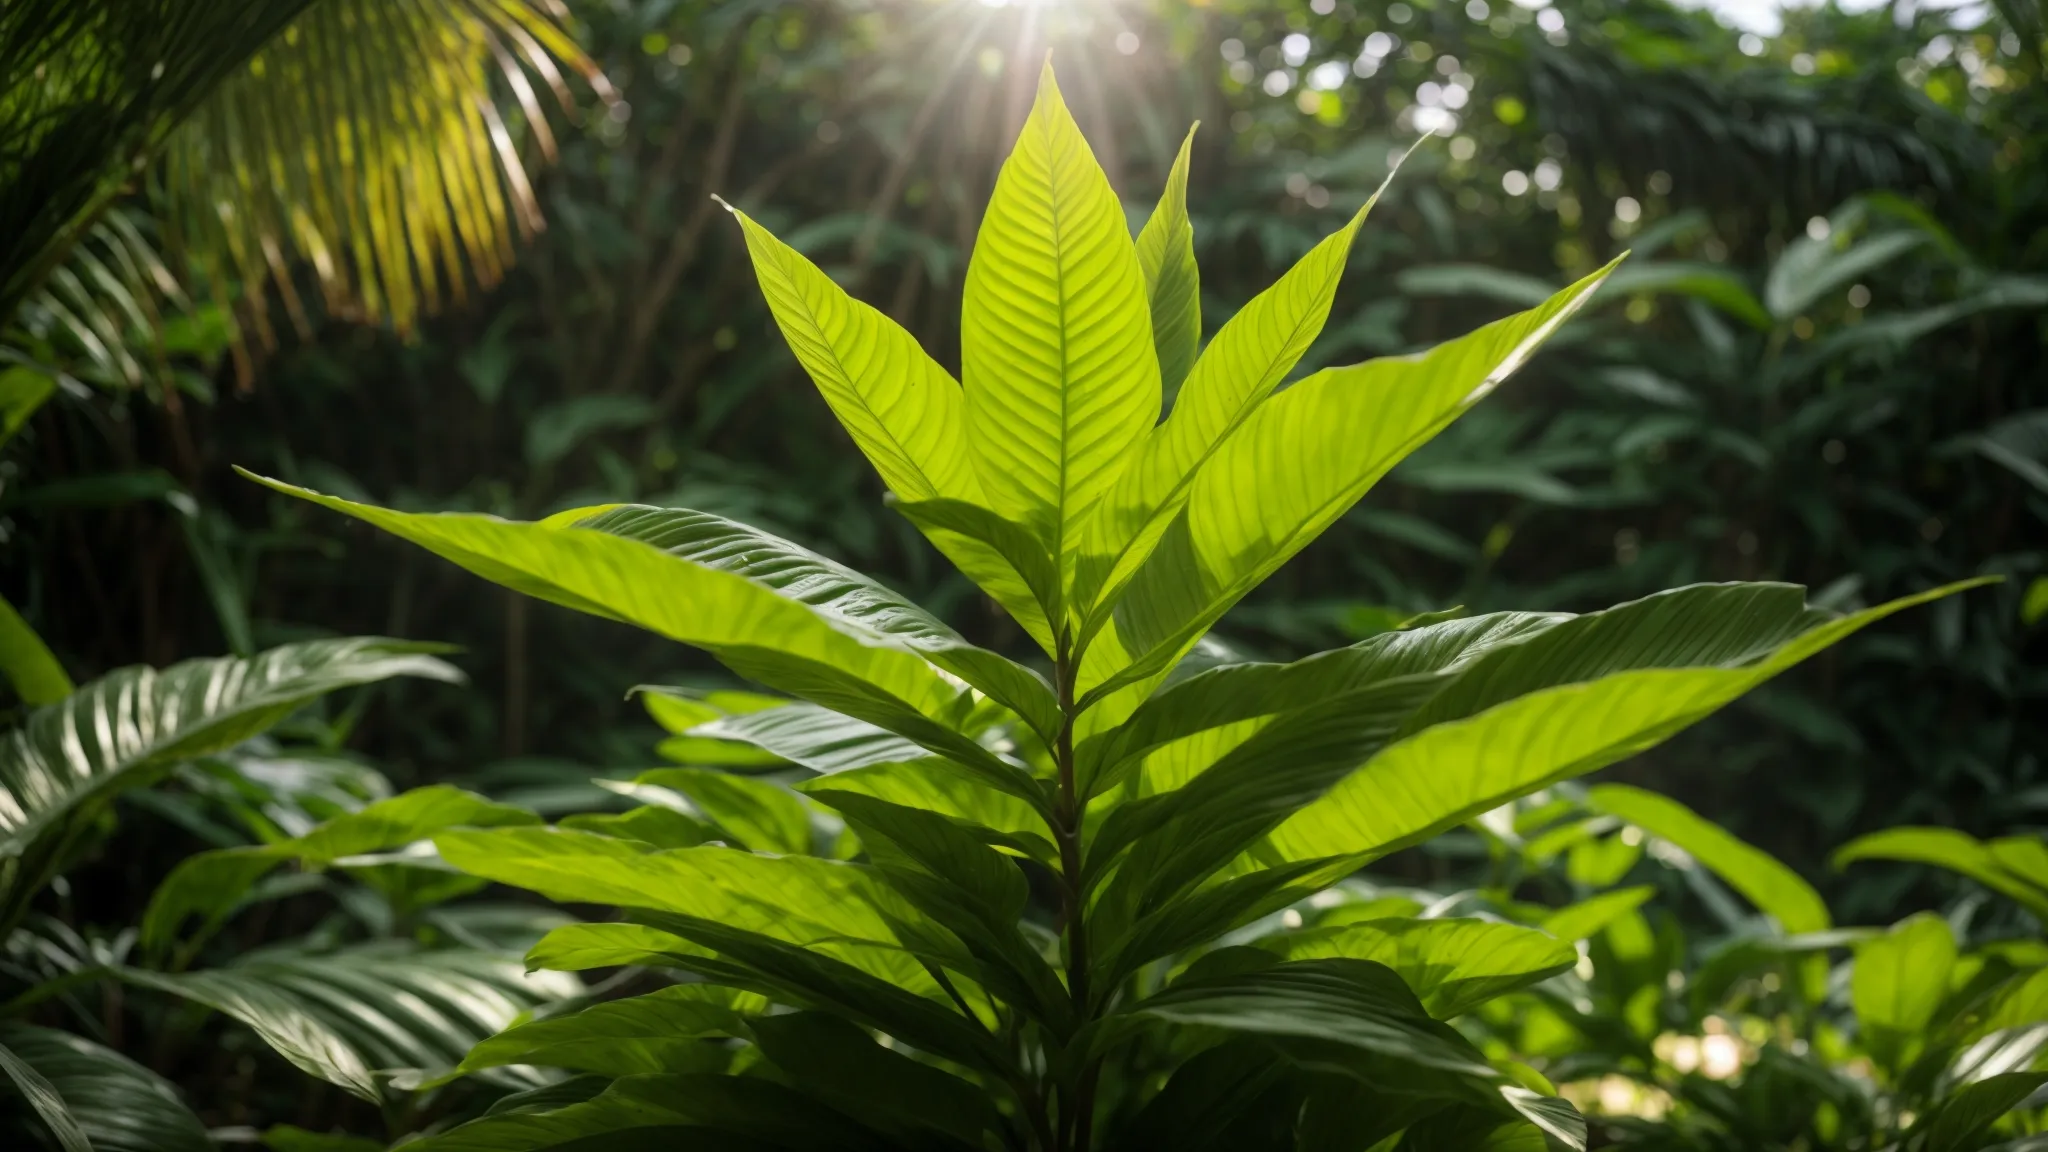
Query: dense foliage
x=1819, y=365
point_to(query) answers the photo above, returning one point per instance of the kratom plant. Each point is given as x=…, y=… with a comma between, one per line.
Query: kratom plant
x=1036, y=941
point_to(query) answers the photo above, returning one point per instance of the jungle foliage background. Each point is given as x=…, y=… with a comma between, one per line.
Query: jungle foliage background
x=1823, y=365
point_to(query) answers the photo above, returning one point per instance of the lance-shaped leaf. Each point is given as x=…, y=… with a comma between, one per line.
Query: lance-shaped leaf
x=1235, y=374
x=884, y=1088
x=1004, y=558
x=1453, y=771
x=661, y=1031
x=817, y=738
x=92, y=1098
x=905, y=412
x=651, y=824
x=581, y=947
x=755, y=631
x=210, y=884
x=902, y=409
x=2004, y=866
x=1357, y=1004
x=1585, y=919
x=1453, y=965
x=835, y=908
x=1055, y=334
x=110, y=733
x=1776, y=890
x=27, y=662
x=962, y=883
x=833, y=590
x=1294, y=465
x=1899, y=981
x=679, y=710
x=1233, y=694
x=1166, y=251
x=807, y=977
x=761, y=816
x=995, y=818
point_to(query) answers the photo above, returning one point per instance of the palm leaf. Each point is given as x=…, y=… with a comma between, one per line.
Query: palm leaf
x=372, y=139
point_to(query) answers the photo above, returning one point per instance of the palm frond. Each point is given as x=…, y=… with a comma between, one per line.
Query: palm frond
x=374, y=139
x=102, y=312
x=88, y=90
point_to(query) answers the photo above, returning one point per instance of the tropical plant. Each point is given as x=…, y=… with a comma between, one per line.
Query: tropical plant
x=1765, y=1025
x=409, y=1011
x=1036, y=946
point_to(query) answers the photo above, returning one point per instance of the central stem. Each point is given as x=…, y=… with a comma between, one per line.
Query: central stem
x=1067, y=812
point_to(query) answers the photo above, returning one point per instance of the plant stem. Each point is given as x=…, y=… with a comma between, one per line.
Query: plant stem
x=1077, y=1105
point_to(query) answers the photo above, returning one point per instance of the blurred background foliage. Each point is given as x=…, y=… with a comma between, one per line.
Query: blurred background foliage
x=1821, y=365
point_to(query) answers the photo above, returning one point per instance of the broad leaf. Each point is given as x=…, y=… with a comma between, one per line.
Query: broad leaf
x=1899, y=982
x=92, y=1098
x=1957, y=852
x=27, y=662
x=1964, y=1118
x=837, y=909
x=762, y=816
x=651, y=824
x=1294, y=465
x=1354, y=1003
x=1453, y=965
x=1776, y=890
x=904, y=411
x=755, y=631
x=1055, y=334
x=832, y=590
x=882, y=1087
x=955, y=878
x=661, y=1031
x=1452, y=772
x=995, y=818
x=820, y=739
x=1166, y=251
x=1235, y=374
x=1585, y=919
x=211, y=884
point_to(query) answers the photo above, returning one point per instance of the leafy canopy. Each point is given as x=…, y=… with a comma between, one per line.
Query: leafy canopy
x=1020, y=943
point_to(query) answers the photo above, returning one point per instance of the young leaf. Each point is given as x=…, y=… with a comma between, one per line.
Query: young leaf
x=1453, y=965
x=1166, y=252
x=903, y=410
x=1055, y=334
x=1242, y=366
x=1290, y=468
